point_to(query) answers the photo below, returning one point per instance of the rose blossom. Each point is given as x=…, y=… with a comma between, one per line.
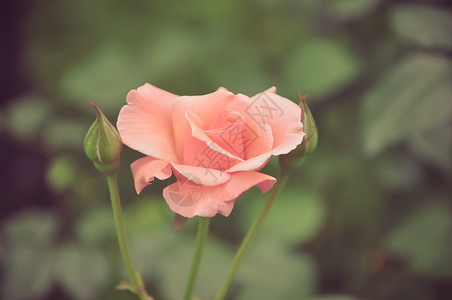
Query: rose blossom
x=214, y=144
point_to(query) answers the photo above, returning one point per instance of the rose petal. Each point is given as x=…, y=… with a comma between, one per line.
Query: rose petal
x=200, y=134
x=145, y=169
x=282, y=115
x=189, y=199
x=179, y=222
x=206, y=107
x=222, y=89
x=206, y=155
x=202, y=175
x=145, y=123
x=252, y=164
x=271, y=90
x=257, y=136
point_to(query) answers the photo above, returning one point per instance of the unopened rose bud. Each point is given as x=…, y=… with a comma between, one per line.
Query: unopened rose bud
x=102, y=143
x=295, y=158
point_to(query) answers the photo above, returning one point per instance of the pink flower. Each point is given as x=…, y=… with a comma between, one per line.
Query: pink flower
x=214, y=144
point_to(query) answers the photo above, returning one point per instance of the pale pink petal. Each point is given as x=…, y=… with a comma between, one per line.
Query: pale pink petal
x=189, y=199
x=206, y=107
x=145, y=169
x=251, y=164
x=282, y=115
x=159, y=97
x=197, y=132
x=179, y=222
x=206, y=155
x=145, y=124
x=222, y=89
x=257, y=136
x=229, y=132
x=202, y=175
x=271, y=90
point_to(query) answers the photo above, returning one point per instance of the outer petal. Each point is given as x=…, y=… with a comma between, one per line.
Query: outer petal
x=202, y=175
x=254, y=163
x=282, y=115
x=189, y=199
x=271, y=90
x=145, y=169
x=145, y=123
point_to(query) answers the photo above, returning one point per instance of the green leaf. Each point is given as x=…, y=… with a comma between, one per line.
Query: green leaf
x=149, y=249
x=320, y=67
x=27, y=273
x=25, y=116
x=32, y=228
x=270, y=272
x=424, y=240
x=295, y=217
x=27, y=255
x=83, y=272
x=104, y=76
x=61, y=173
x=427, y=26
x=333, y=297
x=413, y=98
x=146, y=213
x=64, y=134
x=97, y=226
x=435, y=146
x=351, y=9
x=174, y=262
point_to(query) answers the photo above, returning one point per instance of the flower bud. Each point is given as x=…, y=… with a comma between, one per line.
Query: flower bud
x=102, y=143
x=295, y=158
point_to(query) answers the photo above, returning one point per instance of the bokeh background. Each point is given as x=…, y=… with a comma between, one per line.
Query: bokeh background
x=368, y=216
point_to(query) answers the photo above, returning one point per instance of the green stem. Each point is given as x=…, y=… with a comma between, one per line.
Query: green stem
x=246, y=243
x=134, y=277
x=201, y=236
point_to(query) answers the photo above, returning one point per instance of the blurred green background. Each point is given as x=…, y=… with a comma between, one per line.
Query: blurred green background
x=368, y=216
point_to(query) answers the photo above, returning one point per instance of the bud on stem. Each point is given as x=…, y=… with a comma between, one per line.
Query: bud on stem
x=102, y=143
x=295, y=158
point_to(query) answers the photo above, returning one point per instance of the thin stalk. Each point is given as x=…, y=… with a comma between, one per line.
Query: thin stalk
x=201, y=236
x=247, y=240
x=135, y=279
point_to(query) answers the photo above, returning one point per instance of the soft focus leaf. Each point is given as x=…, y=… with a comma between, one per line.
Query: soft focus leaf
x=333, y=297
x=149, y=248
x=320, y=67
x=64, y=134
x=25, y=116
x=269, y=272
x=27, y=273
x=61, y=173
x=82, y=272
x=105, y=76
x=295, y=217
x=97, y=226
x=427, y=26
x=351, y=9
x=413, y=98
x=28, y=255
x=32, y=228
x=424, y=238
x=434, y=146
x=174, y=263
x=146, y=214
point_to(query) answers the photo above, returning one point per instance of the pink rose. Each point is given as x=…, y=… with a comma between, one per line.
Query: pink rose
x=214, y=144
